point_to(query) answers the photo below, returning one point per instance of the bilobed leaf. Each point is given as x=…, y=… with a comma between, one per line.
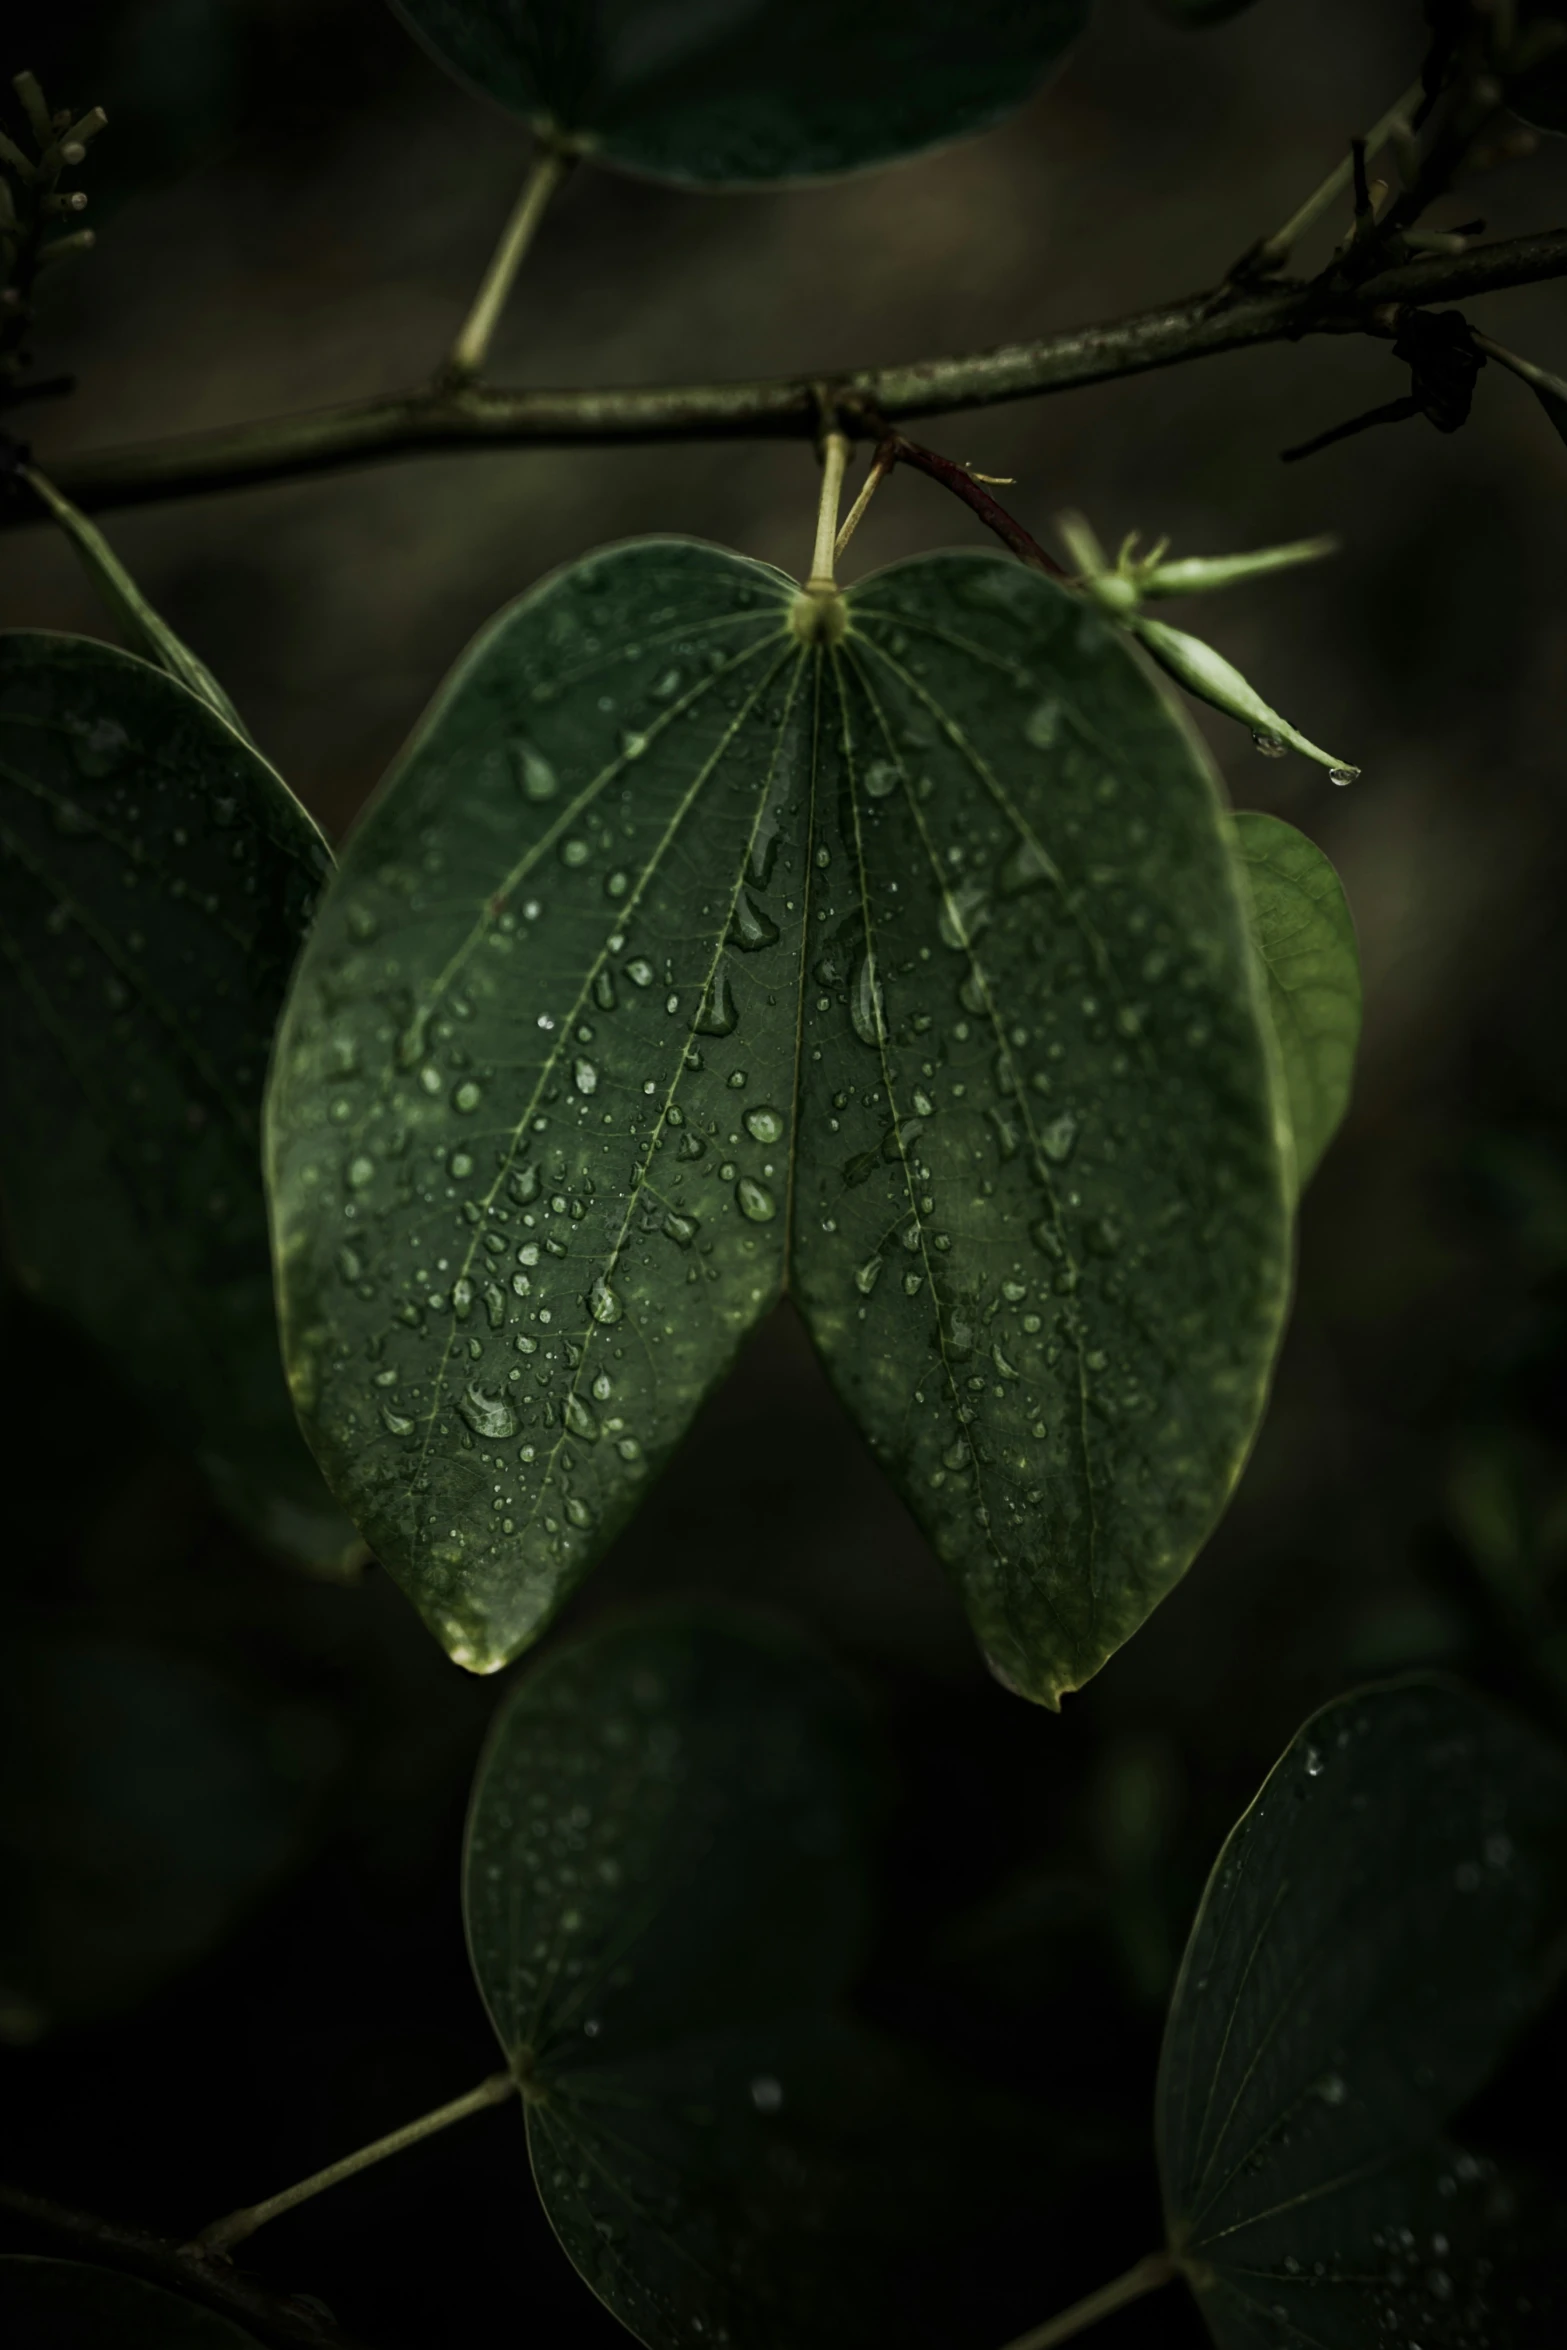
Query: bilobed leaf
x=693, y=948
x=736, y=92
x=1305, y=935
x=145, y=1804
x=1380, y=1924
x=67, y=2305
x=155, y=881
x=665, y=1896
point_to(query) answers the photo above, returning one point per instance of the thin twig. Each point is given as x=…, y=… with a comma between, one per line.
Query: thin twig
x=551, y=166
x=275, y=2317
x=401, y=424
x=958, y=479
x=239, y=2224
x=1146, y=2277
x=1272, y=252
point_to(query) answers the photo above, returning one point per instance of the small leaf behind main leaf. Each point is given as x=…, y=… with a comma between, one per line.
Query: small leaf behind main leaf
x=155, y=881
x=752, y=91
x=1379, y=1926
x=1305, y=934
x=665, y=1889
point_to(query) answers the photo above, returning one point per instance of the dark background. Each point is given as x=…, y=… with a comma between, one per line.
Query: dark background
x=293, y=208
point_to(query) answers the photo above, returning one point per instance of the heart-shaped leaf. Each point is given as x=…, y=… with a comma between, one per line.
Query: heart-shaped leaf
x=736, y=92
x=65, y=2305
x=1305, y=934
x=665, y=1895
x=155, y=881
x=708, y=937
x=1379, y=1925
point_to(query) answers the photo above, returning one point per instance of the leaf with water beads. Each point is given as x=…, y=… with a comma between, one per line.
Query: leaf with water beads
x=156, y=878
x=665, y=1896
x=1305, y=935
x=1380, y=1925
x=67, y=2305
x=1001, y=1031
x=767, y=90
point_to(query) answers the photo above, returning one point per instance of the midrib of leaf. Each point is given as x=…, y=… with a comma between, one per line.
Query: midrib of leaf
x=623, y=915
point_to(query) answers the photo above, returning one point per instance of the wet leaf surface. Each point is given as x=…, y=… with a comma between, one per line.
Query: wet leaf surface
x=1305, y=934
x=742, y=92
x=665, y=1893
x=685, y=956
x=155, y=881
x=1380, y=1924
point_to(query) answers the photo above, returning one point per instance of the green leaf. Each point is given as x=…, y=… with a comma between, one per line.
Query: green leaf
x=685, y=954
x=665, y=1896
x=155, y=880
x=65, y=2305
x=751, y=91
x=149, y=632
x=1378, y=1927
x=1304, y=931
x=145, y=1805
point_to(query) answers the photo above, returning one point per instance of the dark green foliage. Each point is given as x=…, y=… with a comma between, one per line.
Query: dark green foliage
x=665, y=1890
x=144, y=1805
x=1305, y=934
x=65, y=2305
x=682, y=957
x=155, y=880
x=1379, y=1926
x=737, y=94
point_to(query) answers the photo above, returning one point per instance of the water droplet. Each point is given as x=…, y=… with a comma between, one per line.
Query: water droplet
x=577, y=1510
x=868, y=1275
x=603, y=1304
x=756, y=1202
x=641, y=972
x=764, y=1123
x=1270, y=746
x=1058, y=1140
x=718, y=1016
x=533, y=771
x=467, y=1096
x=867, y=1004
x=360, y=1172
x=1342, y=774
x=682, y=1230
x=1315, y=1766
x=881, y=777
x=1331, y=2089
x=395, y=1423
x=632, y=744
x=580, y=1418
x=495, y=1305
x=766, y=2093
x=1042, y=725
x=584, y=1076
x=749, y=927
x=486, y=1415
x=604, y=992
x=523, y=1184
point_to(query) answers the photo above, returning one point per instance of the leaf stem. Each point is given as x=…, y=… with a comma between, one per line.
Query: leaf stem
x=835, y=463
x=441, y=417
x=551, y=165
x=1154, y=2270
x=239, y=2224
x=1274, y=251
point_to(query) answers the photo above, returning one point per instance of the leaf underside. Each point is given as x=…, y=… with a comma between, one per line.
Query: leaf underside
x=66, y=2305
x=1305, y=935
x=665, y=1895
x=680, y=960
x=1379, y=1926
x=155, y=881
x=752, y=91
